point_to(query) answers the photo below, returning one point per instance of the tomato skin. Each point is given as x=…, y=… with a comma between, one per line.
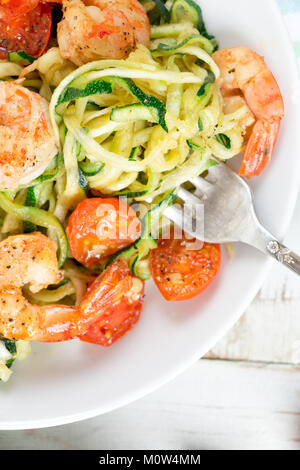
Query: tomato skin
x=29, y=32
x=14, y=8
x=100, y=227
x=181, y=273
x=119, y=295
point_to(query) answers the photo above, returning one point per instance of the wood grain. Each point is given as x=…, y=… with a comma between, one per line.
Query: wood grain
x=214, y=405
x=269, y=332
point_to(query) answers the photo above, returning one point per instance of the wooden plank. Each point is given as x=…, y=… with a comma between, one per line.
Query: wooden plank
x=214, y=405
x=269, y=331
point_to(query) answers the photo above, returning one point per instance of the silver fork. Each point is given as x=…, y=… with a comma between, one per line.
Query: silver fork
x=221, y=210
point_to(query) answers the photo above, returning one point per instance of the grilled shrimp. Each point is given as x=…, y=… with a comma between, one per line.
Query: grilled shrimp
x=27, y=142
x=244, y=70
x=31, y=259
x=100, y=29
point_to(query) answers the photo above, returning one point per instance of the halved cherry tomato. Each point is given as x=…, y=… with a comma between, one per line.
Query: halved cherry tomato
x=119, y=295
x=14, y=8
x=29, y=32
x=181, y=272
x=100, y=227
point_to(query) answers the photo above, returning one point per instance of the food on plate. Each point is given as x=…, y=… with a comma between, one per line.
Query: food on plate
x=32, y=260
x=15, y=8
x=120, y=308
x=180, y=269
x=100, y=29
x=27, y=30
x=243, y=69
x=99, y=227
x=11, y=351
x=100, y=124
x=27, y=138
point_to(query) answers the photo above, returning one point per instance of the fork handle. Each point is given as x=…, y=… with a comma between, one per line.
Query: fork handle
x=284, y=255
x=268, y=244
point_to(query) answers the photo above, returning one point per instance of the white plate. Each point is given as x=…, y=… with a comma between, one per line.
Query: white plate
x=67, y=382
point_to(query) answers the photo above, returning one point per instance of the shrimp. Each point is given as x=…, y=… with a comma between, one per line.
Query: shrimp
x=101, y=29
x=31, y=259
x=242, y=69
x=27, y=142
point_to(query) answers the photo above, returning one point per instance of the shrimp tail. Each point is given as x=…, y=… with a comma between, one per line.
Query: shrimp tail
x=61, y=323
x=245, y=71
x=21, y=320
x=260, y=147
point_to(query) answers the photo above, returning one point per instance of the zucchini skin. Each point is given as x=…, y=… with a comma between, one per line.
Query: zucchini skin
x=133, y=112
x=155, y=106
x=38, y=217
x=31, y=201
x=21, y=58
x=92, y=88
x=136, y=255
x=194, y=13
x=90, y=168
x=49, y=175
x=164, y=49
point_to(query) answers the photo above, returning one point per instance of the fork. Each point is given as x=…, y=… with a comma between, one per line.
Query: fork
x=221, y=211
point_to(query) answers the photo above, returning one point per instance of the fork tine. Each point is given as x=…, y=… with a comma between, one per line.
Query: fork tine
x=188, y=197
x=201, y=184
x=189, y=218
x=174, y=214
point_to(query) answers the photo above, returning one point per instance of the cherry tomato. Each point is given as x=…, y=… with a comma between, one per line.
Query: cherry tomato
x=29, y=32
x=100, y=227
x=14, y=8
x=180, y=271
x=119, y=295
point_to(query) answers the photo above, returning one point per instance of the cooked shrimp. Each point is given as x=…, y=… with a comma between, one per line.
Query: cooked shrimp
x=244, y=70
x=101, y=29
x=28, y=259
x=31, y=259
x=27, y=143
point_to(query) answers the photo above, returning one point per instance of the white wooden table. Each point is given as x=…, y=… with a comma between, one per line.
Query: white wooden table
x=244, y=395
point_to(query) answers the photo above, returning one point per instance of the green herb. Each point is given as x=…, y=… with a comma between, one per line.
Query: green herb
x=200, y=125
x=10, y=362
x=83, y=182
x=224, y=140
x=133, y=154
x=193, y=145
x=10, y=345
x=209, y=80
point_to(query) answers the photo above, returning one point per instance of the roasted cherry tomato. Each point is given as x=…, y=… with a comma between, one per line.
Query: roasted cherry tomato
x=119, y=295
x=14, y=8
x=29, y=32
x=100, y=227
x=180, y=271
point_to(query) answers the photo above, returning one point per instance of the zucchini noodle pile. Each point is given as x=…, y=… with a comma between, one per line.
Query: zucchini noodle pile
x=138, y=128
